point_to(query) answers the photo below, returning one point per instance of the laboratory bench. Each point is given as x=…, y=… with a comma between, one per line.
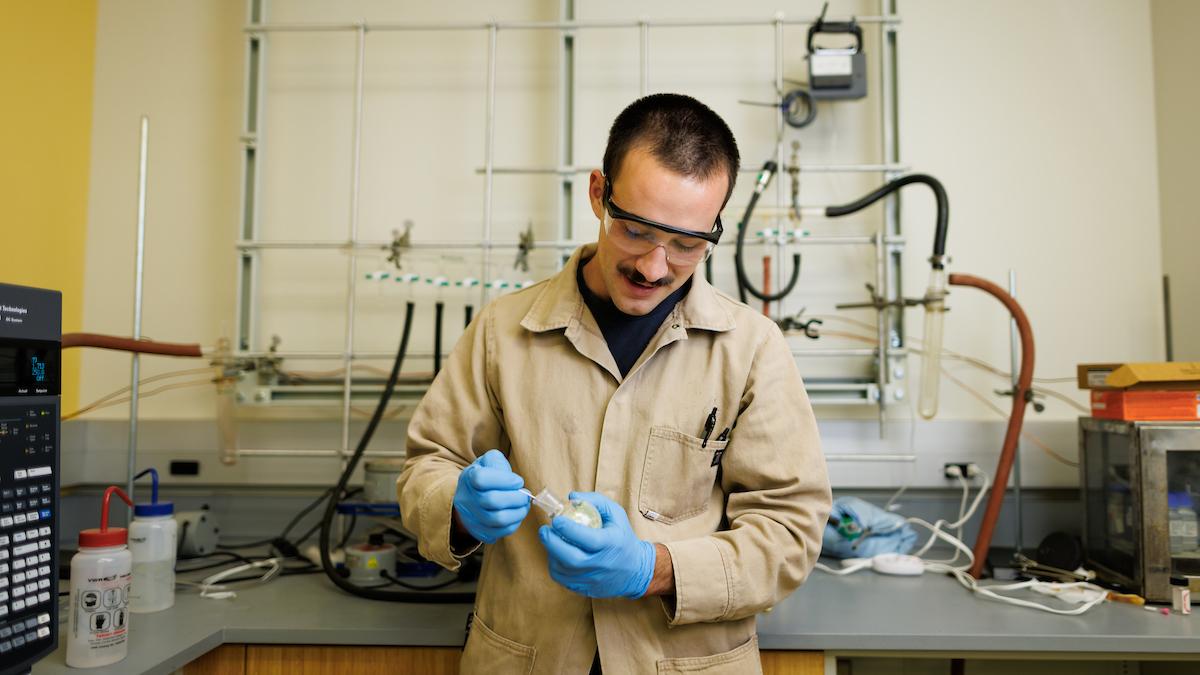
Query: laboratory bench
x=302, y=624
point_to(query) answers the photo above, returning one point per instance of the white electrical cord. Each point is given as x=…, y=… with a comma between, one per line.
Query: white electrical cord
x=959, y=572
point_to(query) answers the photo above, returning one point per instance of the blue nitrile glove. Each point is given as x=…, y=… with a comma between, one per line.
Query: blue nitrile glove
x=487, y=501
x=875, y=531
x=609, y=562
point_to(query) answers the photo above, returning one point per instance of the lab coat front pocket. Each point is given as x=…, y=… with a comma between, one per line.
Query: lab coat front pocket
x=489, y=652
x=743, y=660
x=677, y=476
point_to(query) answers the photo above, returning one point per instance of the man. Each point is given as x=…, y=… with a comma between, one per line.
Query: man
x=629, y=375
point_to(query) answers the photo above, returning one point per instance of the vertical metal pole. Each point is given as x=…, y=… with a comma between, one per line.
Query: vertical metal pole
x=888, y=271
x=489, y=146
x=644, y=54
x=352, y=265
x=247, y=279
x=139, y=267
x=1014, y=348
x=780, y=253
x=566, y=128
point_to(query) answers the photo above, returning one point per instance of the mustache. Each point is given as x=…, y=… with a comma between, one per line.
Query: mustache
x=637, y=277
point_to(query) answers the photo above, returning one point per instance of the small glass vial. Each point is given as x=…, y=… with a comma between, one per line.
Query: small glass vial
x=1181, y=596
x=575, y=510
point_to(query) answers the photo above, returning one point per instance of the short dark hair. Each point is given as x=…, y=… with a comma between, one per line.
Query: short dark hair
x=682, y=133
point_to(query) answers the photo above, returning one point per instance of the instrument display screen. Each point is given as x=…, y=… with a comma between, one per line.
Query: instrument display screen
x=29, y=368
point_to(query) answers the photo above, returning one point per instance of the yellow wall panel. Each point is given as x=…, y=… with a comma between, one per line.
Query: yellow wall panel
x=46, y=68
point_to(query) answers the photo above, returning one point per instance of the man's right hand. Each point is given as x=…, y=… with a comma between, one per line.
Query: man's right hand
x=487, y=501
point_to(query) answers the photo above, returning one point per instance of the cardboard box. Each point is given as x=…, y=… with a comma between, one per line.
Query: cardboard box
x=1171, y=376
x=1159, y=406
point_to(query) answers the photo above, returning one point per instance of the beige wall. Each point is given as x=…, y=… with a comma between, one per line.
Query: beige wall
x=1049, y=170
x=1177, y=97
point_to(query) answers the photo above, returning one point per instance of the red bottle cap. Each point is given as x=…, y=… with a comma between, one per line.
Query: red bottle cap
x=105, y=536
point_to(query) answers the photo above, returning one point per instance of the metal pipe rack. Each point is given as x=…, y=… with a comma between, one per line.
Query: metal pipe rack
x=887, y=241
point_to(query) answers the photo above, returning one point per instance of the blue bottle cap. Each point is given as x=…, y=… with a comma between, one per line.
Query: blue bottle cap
x=153, y=507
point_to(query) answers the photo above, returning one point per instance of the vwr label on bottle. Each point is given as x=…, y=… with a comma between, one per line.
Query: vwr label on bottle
x=102, y=612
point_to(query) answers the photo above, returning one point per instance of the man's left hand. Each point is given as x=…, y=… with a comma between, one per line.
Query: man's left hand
x=608, y=562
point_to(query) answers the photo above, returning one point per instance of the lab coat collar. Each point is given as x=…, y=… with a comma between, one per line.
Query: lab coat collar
x=560, y=301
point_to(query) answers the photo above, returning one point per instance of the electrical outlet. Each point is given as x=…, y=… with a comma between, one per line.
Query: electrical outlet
x=952, y=470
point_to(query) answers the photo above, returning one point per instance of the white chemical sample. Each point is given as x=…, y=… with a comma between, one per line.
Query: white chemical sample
x=575, y=510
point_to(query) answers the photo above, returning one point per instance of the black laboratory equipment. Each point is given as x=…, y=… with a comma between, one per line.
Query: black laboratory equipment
x=30, y=345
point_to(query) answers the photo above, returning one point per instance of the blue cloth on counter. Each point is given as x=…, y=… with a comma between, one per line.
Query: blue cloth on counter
x=881, y=531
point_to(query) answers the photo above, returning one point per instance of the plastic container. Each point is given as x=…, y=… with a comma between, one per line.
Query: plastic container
x=368, y=561
x=98, y=612
x=379, y=480
x=153, y=542
x=1183, y=527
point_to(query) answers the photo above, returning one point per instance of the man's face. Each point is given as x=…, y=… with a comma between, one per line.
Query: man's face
x=636, y=284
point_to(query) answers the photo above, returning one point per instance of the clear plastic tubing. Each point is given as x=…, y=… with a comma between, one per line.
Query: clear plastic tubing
x=931, y=364
x=575, y=510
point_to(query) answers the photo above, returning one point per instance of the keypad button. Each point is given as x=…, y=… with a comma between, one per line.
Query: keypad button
x=44, y=596
x=3, y=610
x=20, y=474
x=19, y=564
x=3, y=582
x=43, y=619
x=44, y=531
x=18, y=518
x=20, y=504
x=5, y=632
x=6, y=521
x=18, y=578
x=3, y=540
x=31, y=561
x=3, y=568
x=19, y=537
x=43, y=557
x=7, y=507
x=43, y=584
x=46, y=501
x=18, y=641
x=7, y=493
x=32, y=516
x=21, y=491
x=30, y=623
x=34, y=489
x=6, y=647
x=18, y=592
x=45, y=487
x=44, y=543
x=31, y=587
x=43, y=632
x=18, y=605
x=3, y=554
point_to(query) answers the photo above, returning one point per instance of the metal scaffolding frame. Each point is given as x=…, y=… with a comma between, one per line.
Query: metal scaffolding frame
x=887, y=242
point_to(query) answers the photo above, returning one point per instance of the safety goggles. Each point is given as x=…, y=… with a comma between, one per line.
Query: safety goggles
x=636, y=235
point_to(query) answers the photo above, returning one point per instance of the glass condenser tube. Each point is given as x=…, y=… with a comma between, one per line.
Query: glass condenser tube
x=931, y=364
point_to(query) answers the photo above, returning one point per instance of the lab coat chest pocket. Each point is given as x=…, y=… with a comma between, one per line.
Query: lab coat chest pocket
x=677, y=476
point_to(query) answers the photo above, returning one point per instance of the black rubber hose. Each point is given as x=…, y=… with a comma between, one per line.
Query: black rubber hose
x=744, y=283
x=331, y=505
x=439, y=310
x=939, y=193
x=468, y=313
